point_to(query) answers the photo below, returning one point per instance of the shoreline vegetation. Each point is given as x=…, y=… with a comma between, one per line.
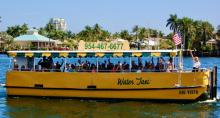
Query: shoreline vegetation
x=195, y=35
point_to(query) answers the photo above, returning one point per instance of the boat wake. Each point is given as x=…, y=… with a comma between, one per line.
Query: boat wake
x=210, y=101
x=2, y=84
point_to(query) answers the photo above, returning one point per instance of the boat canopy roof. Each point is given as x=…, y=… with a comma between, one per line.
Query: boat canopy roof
x=124, y=53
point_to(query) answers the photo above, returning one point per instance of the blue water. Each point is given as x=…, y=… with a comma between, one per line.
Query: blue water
x=20, y=107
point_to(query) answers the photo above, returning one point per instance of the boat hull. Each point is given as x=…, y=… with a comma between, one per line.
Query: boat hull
x=187, y=93
x=108, y=85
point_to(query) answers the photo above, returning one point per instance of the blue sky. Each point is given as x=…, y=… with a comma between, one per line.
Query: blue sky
x=113, y=15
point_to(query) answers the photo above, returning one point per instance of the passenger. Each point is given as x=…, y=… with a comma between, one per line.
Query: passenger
x=88, y=66
x=104, y=66
x=140, y=65
x=152, y=66
x=79, y=65
x=50, y=63
x=43, y=63
x=110, y=65
x=134, y=66
x=85, y=66
x=67, y=67
x=58, y=66
x=73, y=68
x=16, y=67
x=99, y=67
x=114, y=68
x=125, y=66
x=77, y=68
x=149, y=65
x=170, y=65
x=157, y=65
x=196, y=63
x=139, y=70
x=118, y=67
x=160, y=65
x=146, y=65
x=23, y=68
x=121, y=67
x=93, y=68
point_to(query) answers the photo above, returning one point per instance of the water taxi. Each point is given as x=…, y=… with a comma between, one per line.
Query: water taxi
x=124, y=74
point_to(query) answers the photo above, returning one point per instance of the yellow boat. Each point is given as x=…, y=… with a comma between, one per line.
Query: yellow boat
x=124, y=84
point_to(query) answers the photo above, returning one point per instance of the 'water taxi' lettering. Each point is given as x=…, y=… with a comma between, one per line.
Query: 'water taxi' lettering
x=137, y=81
x=142, y=81
x=125, y=82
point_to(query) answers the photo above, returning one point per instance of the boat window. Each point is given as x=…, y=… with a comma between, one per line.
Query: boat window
x=23, y=63
x=95, y=64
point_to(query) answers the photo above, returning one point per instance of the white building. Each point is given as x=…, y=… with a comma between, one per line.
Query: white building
x=59, y=23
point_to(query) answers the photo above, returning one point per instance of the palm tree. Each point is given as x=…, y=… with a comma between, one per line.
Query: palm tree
x=198, y=34
x=207, y=31
x=86, y=34
x=136, y=30
x=125, y=35
x=17, y=30
x=97, y=29
x=50, y=27
x=143, y=33
x=173, y=22
x=70, y=34
x=116, y=35
x=161, y=34
x=187, y=30
x=218, y=33
x=24, y=28
x=105, y=35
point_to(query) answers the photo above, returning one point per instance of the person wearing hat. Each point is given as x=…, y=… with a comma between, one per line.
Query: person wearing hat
x=196, y=63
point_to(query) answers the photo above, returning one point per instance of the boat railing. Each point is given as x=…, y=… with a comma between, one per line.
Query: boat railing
x=112, y=71
x=195, y=70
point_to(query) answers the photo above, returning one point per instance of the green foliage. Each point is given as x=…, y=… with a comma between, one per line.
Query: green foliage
x=93, y=33
x=142, y=32
x=206, y=48
x=173, y=22
x=7, y=40
x=218, y=31
x=125, y=35
x=17, y=30
x=42, y=31
x=166, y=44
x=50, y=31
x=193, y=31
x=169, y=36
x=136, y=30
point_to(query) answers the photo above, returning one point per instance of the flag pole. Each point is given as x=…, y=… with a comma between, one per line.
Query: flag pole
x=177, y=38
x=181, y=57
x=178, y=41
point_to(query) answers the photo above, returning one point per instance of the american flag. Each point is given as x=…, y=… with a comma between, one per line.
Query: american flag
x=177, y=39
